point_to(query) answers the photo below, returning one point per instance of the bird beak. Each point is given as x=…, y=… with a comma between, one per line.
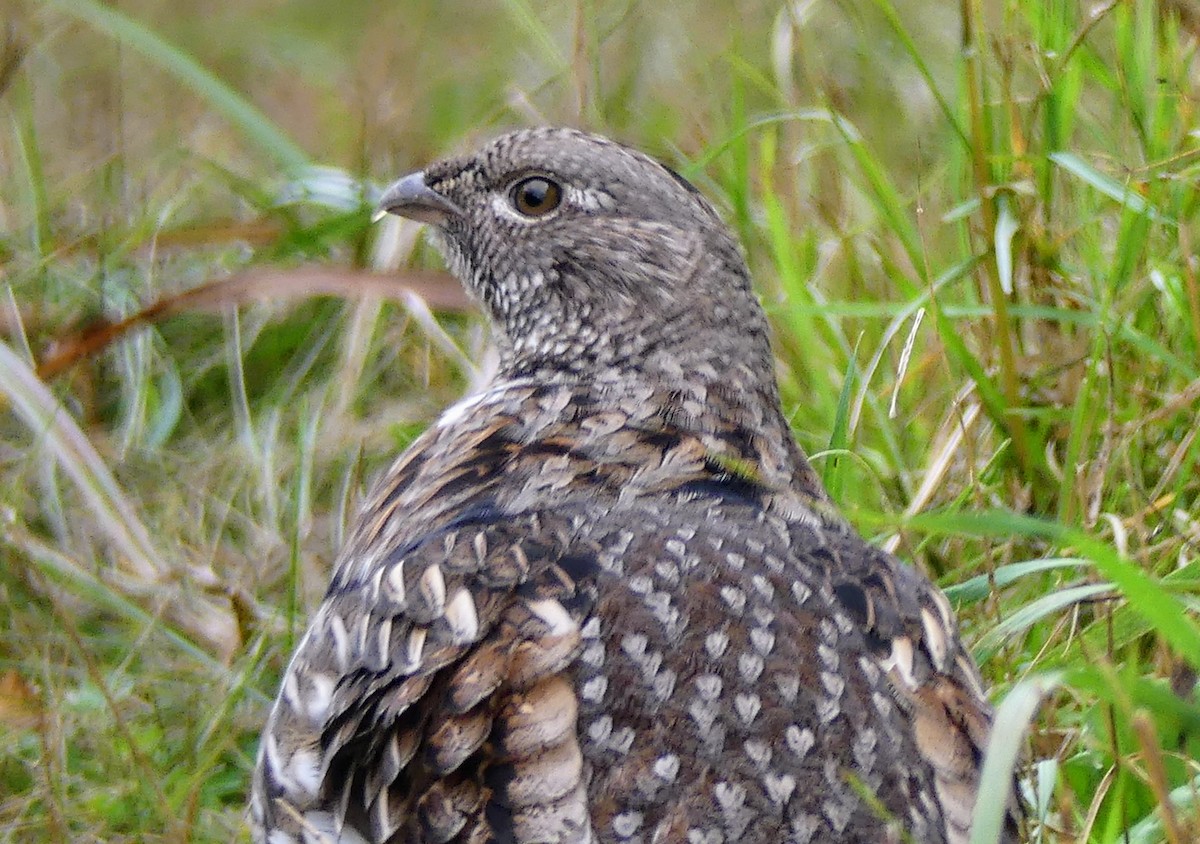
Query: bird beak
x=411, y=197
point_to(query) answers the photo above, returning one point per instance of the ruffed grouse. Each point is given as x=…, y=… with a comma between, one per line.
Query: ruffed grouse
x=606, y=599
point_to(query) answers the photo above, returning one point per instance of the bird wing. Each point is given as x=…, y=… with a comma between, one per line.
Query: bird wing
x=910, y=631
x=448, y=624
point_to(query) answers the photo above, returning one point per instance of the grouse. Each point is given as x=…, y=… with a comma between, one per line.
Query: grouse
x=606, y=599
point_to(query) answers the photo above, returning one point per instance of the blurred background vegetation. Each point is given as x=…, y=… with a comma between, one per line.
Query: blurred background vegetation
x=972, y=224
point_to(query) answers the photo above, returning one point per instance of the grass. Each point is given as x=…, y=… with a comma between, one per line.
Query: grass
x=973, y=227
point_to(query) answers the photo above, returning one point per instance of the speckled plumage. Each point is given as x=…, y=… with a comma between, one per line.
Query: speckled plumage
x=606, y=599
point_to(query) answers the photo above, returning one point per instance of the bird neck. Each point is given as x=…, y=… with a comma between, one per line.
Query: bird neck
x=714, y=381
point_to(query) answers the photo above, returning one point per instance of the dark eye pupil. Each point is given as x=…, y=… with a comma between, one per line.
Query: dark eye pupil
x=536, y=196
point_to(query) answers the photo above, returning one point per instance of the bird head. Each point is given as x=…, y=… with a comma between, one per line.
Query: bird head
x=584, y=252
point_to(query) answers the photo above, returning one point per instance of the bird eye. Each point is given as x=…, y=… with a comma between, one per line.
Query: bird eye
x=536, y=196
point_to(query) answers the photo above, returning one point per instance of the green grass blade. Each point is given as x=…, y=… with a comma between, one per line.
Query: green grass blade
x=1145, y=595
x=1080, y=169
x=116, y=517
x=249, y=120
x=887, y=201
x=978, y=588
x=896, y=22
x=1185, y=800
x=835, y=472
x=1013, y=717
x=1033, y=612
x=51, y=425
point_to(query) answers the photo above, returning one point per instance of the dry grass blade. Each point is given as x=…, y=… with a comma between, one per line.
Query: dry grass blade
x=1143, y=728
x=1187, y=398
x=20, y=707
x=142, y=570
x=11, y=55
x=954, y=431
x=437, y=290
x=55, y=429
x=217, y=233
